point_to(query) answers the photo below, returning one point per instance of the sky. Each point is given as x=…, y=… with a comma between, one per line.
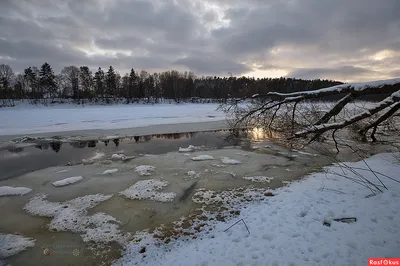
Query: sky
x=347, y=40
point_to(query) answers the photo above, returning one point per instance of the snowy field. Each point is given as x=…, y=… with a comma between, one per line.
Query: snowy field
x=288, y=229
x=28, y=119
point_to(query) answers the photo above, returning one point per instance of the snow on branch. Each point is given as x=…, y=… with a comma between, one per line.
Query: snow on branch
x=322, y=128
x=269, y=109
x=380, y=86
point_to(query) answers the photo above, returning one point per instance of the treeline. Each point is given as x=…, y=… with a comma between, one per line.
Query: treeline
x=80, y=84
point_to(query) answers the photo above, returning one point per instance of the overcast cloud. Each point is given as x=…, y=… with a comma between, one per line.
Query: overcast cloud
x=348, y=40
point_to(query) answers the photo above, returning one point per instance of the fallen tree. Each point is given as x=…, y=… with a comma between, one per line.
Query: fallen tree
x=296, y=117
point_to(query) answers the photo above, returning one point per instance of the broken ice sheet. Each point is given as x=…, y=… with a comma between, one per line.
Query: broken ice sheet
x=148, y=189
x=72, y=215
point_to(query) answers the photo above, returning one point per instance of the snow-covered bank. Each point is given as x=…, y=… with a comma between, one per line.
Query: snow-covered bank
x=69, y=118
x=288, y=229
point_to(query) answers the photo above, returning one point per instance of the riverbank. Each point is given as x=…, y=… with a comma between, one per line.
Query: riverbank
x=28, y=121
x=303, y=224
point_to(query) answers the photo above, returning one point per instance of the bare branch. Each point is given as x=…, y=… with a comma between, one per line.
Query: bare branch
x=336, y=109
x=393, y=109
x=318, y=130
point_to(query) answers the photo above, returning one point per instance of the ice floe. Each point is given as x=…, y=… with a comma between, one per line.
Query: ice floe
x=118, y=157
x=148, y=189
x=62, y=171
x=110, y=171
x=67, y=181
x=72, y=215
x=203, y=158
x=14, y=191
x=227, y=160
x=93, y=159
x=191, y=173
x=188, y=149
x=145, y=170
x=13, y=244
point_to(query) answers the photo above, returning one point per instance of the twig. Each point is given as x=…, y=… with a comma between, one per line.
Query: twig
x=334, y=190
x=334, y=139
x=241, y=220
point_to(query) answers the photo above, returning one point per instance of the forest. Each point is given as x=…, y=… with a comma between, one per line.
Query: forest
x=42, y=85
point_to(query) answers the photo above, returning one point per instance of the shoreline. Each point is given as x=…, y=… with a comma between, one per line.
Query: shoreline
x=127, y=132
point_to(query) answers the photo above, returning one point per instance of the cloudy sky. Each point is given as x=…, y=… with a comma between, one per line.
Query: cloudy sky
x=348, y=40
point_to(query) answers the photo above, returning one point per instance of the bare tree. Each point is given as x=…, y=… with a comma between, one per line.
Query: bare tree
x=6, y=79
x=70, y=75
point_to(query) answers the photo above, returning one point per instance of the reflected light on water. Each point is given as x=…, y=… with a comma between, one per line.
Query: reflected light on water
x=259, y=133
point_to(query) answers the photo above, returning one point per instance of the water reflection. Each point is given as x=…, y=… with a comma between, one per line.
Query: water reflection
x=15, y=149
x=259, y=133
x=80, y=144
x=92, y=143
x=56, y=144
x=116, y=142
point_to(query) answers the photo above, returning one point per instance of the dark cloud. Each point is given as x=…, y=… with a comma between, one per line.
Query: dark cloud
x=343, y=72
x=212, y=65
x=308, y=38
x=122, y=43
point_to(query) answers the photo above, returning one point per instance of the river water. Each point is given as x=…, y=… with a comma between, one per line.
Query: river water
x=39, y=162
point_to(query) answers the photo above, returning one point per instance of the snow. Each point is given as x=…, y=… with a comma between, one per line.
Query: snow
x=41, y=119
x=259, y=179
x=227, y=160
x=111, y=137
x=145, y=170
x=117, y=157
x=228, y=198
x=67, y=181
x=110, y=171
x=148, y=189
x=287, y=229
x=188, y=149
x=359, y=116
x=13, y=244
x=62, y=171
x=14, y=191
x=359, y=86
x=191, y=173
x=203, y=158
x=72, y=215
x=219, y=165
x=93, y=159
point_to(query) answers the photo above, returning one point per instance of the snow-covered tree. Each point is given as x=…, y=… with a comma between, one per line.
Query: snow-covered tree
x=111, y=83
x=86, y=81
x=31, y=81
x=99, y=83
x=47, y=81
x=6, y=79
x=133, y=89
x=71, y=76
